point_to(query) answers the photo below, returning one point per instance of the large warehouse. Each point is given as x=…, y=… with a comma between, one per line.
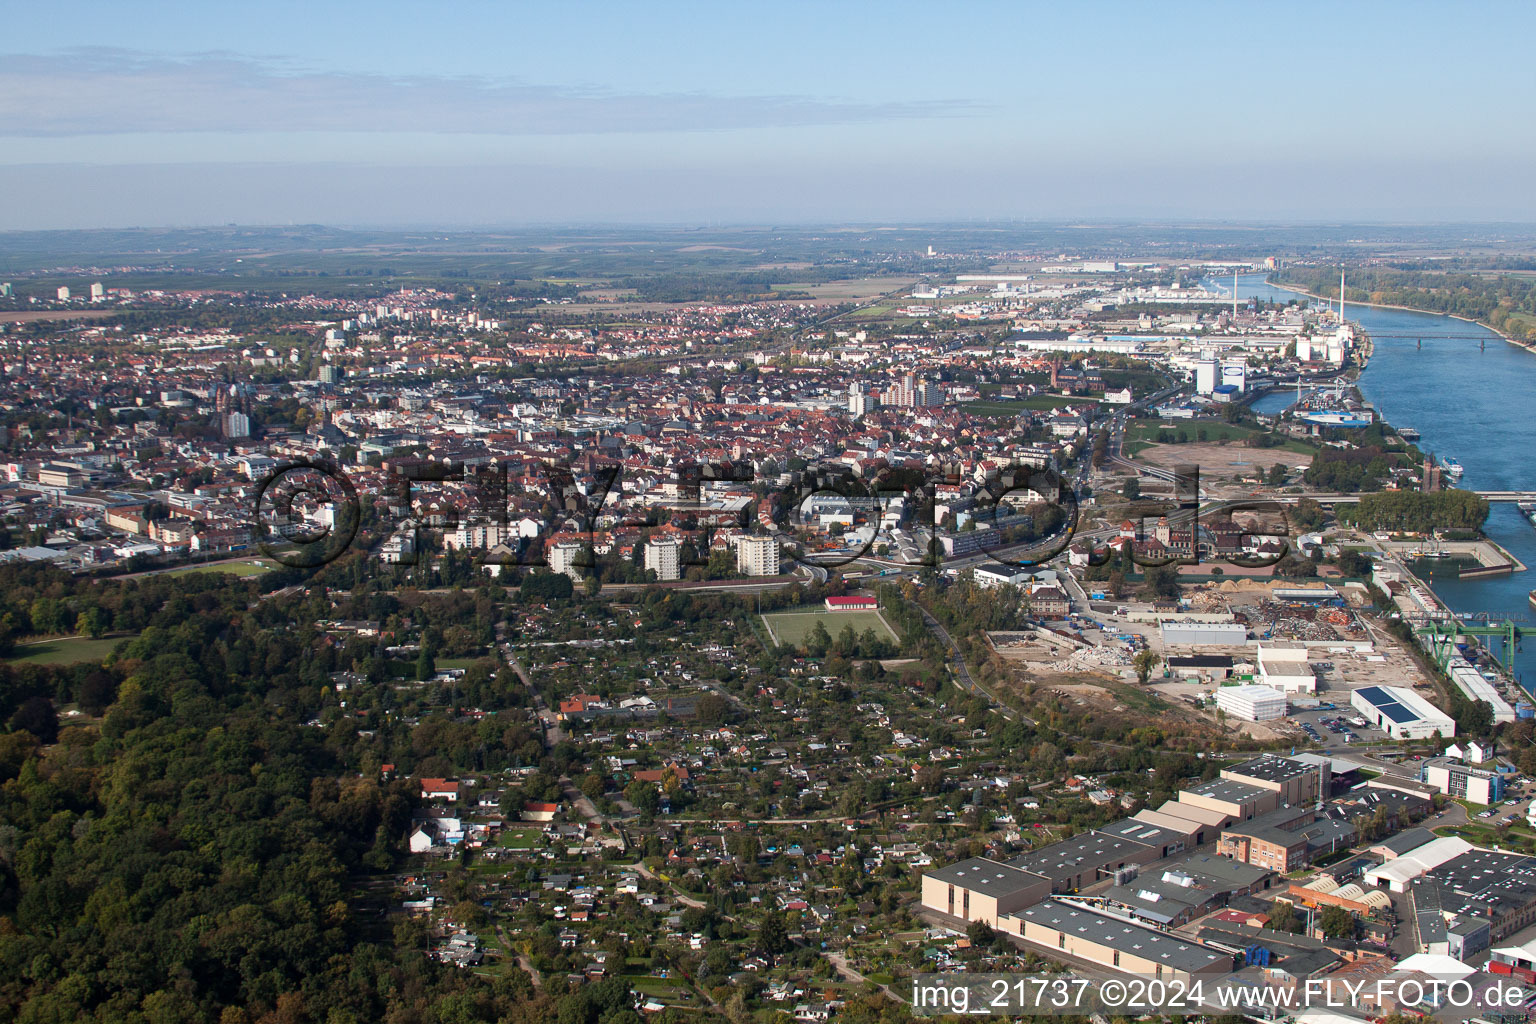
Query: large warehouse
x=1191, y=633
x=1115, y=943
x=1286, y=669
x=981, y=890
x=1401, y=713
x=1251, y=703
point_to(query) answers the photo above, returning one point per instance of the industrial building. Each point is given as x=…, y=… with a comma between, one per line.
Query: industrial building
x=1293, y=780
x=1191, y=633
x=1195, y=885
x=1242, y=793
x=1166, y=841
x=1251, y=703
x=1285, y=839
x=1396, y=874
x=1462, y=781
x=1484, y=885
x=979, y=889
x=1084, y=859
x=1115, y=943
x=1401, y=713
x=1000, y=576
x=1217, y=666
x=1472, y=683
x=1286, y=669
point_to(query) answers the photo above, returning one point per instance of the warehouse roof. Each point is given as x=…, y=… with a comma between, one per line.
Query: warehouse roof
x=1114, y=933
x=987, y=877
x=1271, y=768
x=1088, y=849
x=1143, y=832
x=1229, y=790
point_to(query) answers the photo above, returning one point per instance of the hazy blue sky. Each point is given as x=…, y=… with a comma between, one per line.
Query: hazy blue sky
x=466, y=113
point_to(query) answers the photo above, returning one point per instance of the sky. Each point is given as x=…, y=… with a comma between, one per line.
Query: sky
x=501, y=114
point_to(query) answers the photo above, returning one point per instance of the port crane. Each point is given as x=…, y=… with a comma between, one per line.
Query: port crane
x=1440, y=635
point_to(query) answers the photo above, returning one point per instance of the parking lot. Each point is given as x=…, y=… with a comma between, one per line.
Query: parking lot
x=1337, y=726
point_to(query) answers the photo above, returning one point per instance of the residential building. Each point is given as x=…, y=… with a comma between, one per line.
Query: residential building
x=663, y=558
x=757, y=556
x=565, y=556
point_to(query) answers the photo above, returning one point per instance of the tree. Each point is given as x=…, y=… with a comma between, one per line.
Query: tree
x=773, y=934
x=644, y=796
x=546, y=586
x=1475, y=718
x=1282, y=917
x=1145, y=662
x=38, y=717
x=1294, y=566
x=91, y=622
x=818, y=640
x=1161, y=583
x=981, y=934
x=1308, y=515
x=1355, y=563
x=1132, y=489
x=712, y=709
x=1337, y=923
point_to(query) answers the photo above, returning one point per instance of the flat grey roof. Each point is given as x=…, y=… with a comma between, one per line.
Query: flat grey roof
x=1218, y=874
x=1230, y=790
x=1125, y=937
x=987, y=877
x=1406, y=841
x=1142, y=832
x=1157, y=900
x=1088, y=849
x=1271, y=768
x=1484, y=883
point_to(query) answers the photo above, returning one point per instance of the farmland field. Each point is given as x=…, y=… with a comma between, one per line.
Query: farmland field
x=791, y=627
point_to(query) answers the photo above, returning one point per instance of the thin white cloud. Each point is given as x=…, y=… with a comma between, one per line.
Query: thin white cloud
x=107, y=91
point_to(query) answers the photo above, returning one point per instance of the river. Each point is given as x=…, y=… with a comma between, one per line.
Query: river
x=1469, y=402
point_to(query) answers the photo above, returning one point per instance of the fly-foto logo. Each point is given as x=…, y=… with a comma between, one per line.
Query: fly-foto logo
x=308, y=513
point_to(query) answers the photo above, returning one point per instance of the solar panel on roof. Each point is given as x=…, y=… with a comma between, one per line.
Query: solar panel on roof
x=1397, y=712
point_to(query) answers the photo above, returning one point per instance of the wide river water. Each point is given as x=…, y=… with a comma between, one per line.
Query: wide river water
x=1472, y=397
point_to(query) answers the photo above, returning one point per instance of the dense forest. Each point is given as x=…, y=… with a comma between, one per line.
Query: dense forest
x=1349, y=469
x=1503, y=302
x=1417, y=512
x=185, y=841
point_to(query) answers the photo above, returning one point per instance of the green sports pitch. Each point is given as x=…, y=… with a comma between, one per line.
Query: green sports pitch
x=791, y=627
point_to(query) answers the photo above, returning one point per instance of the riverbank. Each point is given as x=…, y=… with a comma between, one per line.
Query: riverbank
x=1528, y=346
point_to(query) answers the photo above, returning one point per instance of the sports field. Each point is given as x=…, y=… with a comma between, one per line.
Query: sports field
x=791, y=627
